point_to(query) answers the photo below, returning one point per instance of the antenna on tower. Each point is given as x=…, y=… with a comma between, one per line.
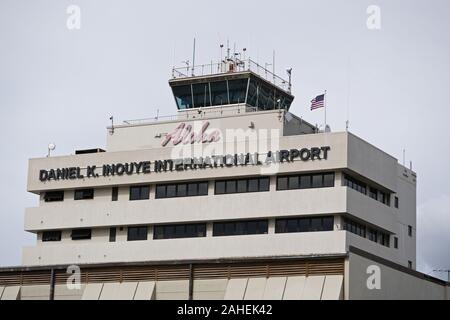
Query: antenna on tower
x=193, y=59
x=273, y=66
x=112, y=124
x=289, y=72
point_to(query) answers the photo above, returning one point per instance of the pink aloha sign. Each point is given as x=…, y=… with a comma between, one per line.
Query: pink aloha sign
x=184, y=133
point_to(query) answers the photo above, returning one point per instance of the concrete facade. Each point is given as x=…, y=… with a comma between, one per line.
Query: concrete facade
x=371, y=202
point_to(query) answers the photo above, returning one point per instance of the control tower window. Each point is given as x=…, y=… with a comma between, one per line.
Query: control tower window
x=252, y=94
x=219, y=93
x=265, y=98
x=238, y=90
x=183, y=96
x=202, y=97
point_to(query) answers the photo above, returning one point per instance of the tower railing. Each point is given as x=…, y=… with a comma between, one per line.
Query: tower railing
x=230, y=66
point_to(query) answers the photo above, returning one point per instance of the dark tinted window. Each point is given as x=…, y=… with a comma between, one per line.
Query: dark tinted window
x=304, y=224
x=293, y=182
x=137, y=233
x=373, y=193
x=53, y=196
x=160, y=192
x=112, y=234
x=84, y=194
x=201, y=95
x=396, y=202
x=171, y=191
x=242, y=185
x=51, y=236
x=203, y=188
x=183, y=96
x=230, y=186
x=264, y=184
x=234, y=228
x=182, y=190
x=115, y=194
x=328, y=180
x=238, y=89
x=317, y=181
x=139, y=192
x=219, y=93
x=282, y=183
x=81, y=234
x=192, y=230
x=220, y=187
x=305, y=181
x=355, y=184
x=355, y=228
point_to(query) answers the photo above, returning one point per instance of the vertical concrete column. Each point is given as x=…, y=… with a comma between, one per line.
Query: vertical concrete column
x=338, y=179
x=338, y=222
x=150, y=233
x=273, y=183
x=209, y=229
x=271, y=226
x=211, y=188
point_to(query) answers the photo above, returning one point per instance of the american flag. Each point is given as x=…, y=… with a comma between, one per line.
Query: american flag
x=318, y=102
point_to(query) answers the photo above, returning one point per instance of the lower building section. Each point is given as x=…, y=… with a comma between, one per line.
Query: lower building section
x=353, y=275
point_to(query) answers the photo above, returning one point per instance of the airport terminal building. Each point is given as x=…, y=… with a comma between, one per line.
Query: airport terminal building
x=233, y=198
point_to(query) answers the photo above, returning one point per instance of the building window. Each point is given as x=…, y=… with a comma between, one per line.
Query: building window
x=385, y=239
x=373, y=193
x=259, y=184
x=237, y=228
x=304, y=224
x=355, y=184
x=115, y=194
x=84, y=194
x=384, y=198
x=379, y=237
x=175, y=231
x=410, y=231
x=48, y=236
x=396, y=202
x=354, y=227
x=322, y=180
x=361, y=187
x=81, y=234
x=112, y=234
x=139, y=193
x=191, y=189
x=373, y=235
x=395, y=242
x=54, y=196
x=409, y=264
x=137, y=233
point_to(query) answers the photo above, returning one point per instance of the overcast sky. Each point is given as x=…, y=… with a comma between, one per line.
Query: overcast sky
x=60, y=85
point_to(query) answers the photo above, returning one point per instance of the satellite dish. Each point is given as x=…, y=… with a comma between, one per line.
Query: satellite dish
x=327, y=128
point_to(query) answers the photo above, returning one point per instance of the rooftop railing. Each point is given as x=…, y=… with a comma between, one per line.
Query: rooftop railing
x=200, y=113
x=231, y=66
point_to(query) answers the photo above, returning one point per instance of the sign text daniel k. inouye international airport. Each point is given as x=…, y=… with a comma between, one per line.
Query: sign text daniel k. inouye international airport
x=146, y=167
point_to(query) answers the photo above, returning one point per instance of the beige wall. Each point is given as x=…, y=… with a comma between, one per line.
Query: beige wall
x=395, y=284
x=265, y=245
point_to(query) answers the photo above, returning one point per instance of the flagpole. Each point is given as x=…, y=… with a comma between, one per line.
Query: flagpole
x=325, y=108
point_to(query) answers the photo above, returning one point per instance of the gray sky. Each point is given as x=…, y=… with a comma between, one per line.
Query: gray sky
x=59, y=85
